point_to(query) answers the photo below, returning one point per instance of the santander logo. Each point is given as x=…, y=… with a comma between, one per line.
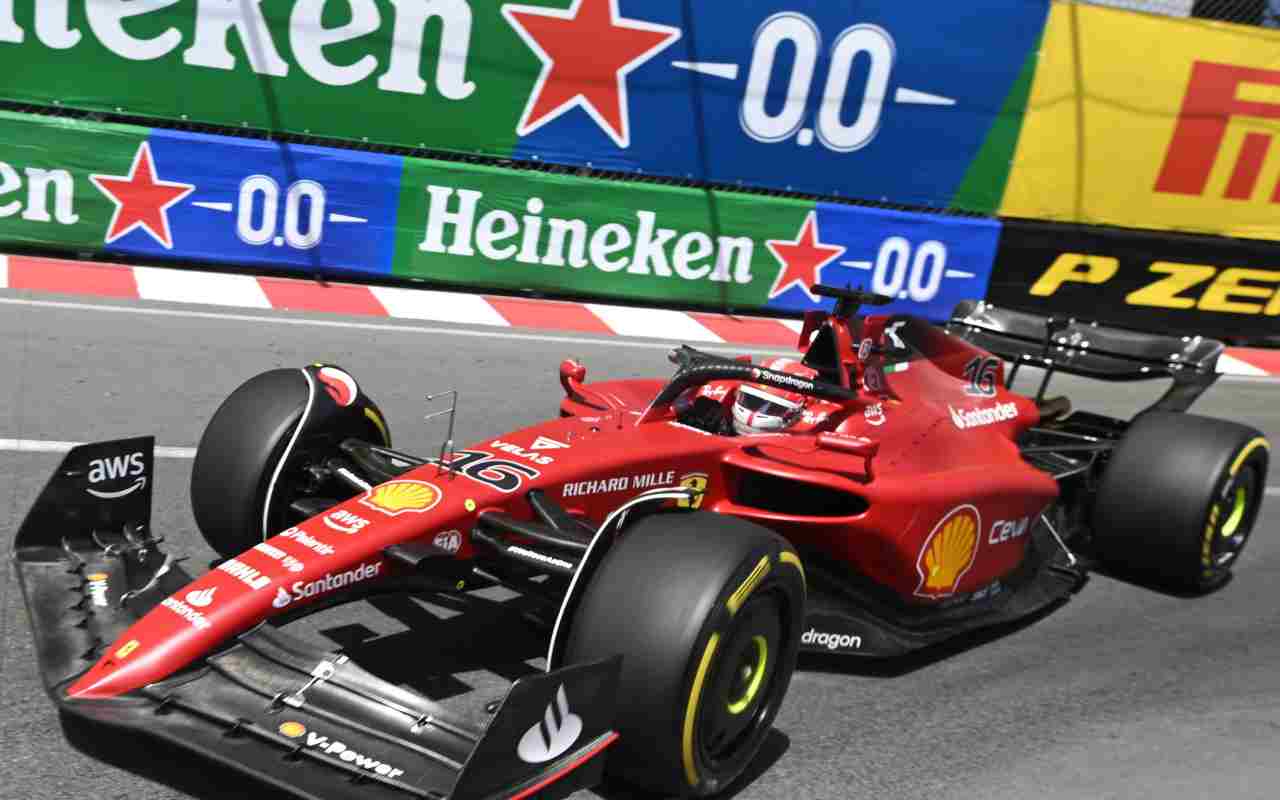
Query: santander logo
x=555, y=734
x=281, y=599
x=201, y=598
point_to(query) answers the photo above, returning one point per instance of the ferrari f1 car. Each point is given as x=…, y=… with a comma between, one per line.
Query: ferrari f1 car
x=880, y=493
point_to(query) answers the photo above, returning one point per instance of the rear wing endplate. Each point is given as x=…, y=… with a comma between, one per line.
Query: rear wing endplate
x=1091, y=350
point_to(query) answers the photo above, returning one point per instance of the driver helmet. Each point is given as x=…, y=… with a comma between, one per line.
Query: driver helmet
x=766, y=409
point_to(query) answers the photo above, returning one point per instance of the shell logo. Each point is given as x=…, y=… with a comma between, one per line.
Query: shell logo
x=948, y=552
x=402, y=496
x=291, y=729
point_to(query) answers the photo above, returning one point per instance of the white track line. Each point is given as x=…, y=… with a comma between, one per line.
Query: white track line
x=4, y=272
x=1230, y=365
x=210, y=288
x=285, y=319
x=629, y=321
x=467, y=309
x=666, y=337
x=39, y=446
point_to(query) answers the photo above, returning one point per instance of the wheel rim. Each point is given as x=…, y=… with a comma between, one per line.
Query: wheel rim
x=734, y=713
x=748, y=676
x=1236, y=511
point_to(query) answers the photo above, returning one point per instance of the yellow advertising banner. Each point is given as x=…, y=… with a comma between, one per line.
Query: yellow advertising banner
x=1147, y=121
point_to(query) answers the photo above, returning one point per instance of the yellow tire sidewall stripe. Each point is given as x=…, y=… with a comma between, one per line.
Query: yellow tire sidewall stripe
x=789, y=557
x=691, y=710
x=734, y=603
x=748, y=586
x=1248, y=449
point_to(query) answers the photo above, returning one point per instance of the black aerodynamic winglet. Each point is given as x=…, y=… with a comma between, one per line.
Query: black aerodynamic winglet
x=87, y=562
x=101, y=486
x=547, y=736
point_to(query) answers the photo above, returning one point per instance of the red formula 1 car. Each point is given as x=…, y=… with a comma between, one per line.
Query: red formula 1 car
x=663, y=524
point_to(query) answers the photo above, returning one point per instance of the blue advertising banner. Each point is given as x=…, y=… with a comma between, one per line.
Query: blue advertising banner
x=928, y=262
x=244, y=201
x=880, y=100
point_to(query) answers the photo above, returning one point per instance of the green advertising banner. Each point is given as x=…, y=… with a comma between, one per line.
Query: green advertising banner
x=47, y=197
x=870, y=100
x=167, y=195
x=394, y=71
x=492, y=227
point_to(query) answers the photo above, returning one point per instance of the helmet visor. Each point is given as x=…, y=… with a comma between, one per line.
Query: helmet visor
x=766, y=406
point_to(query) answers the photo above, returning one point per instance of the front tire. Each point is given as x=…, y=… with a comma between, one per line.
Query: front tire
x=1179, y=498
x=706, y=611
x=241, y=451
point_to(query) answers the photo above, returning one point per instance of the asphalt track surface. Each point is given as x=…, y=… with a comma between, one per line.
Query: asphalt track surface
x=1123, y=692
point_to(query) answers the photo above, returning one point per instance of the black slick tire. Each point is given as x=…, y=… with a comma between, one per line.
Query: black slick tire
x=706, y=611
x=1178, y=499
x=240, y=450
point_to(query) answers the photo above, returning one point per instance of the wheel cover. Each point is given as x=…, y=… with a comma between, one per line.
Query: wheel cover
x=1237, y=512
x=749, y=676
x=1236, y=509
x=741, y=683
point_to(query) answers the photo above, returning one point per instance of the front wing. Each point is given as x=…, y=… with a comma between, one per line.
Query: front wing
x=310, y=722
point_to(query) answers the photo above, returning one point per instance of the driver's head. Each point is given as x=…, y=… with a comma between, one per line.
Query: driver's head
x=765, y=409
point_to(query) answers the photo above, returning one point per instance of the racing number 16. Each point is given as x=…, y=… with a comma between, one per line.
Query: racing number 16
x=501, y=474
x=981, y=374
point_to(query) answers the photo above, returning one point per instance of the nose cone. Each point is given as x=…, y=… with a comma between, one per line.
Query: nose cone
x=170, y=636
x=125, y=667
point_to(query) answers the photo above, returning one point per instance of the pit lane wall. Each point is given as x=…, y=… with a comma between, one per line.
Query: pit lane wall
x=164, y=195
x=881, y=100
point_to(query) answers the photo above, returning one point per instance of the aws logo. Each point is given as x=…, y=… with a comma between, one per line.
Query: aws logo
x=948, y=552
x=116, y=468
x=1215, y=94
x=1170, y=284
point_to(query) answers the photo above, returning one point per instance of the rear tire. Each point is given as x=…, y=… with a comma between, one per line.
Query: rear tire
x=240, y=450
x=1179, y=498
x=706, y=611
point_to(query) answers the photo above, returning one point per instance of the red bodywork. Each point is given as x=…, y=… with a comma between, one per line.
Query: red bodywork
x=906, y=485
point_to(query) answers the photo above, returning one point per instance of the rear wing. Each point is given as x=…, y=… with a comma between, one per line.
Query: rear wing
x=1086, y=348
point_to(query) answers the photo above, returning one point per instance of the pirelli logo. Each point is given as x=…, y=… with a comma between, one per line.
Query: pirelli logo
x=1216, y=94
x=1171, y=284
